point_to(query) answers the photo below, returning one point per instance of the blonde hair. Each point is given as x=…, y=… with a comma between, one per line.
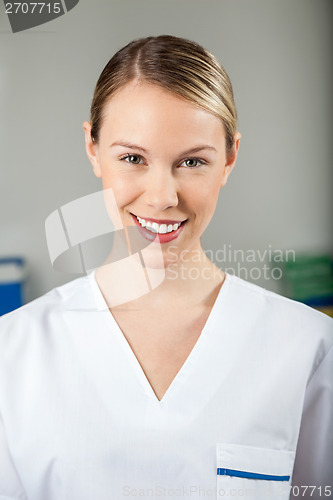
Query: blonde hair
x=178, y=65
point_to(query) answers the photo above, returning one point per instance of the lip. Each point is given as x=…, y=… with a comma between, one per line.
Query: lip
x=160, y=238
x=159, y=221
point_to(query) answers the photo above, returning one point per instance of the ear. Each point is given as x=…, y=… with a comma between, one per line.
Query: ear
x=92, y=150
x=231, y=159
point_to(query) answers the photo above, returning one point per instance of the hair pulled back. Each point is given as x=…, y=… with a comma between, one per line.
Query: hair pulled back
x=178, y=65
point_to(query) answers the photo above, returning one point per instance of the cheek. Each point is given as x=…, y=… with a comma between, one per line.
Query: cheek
x=204, y=198
x=123, y=188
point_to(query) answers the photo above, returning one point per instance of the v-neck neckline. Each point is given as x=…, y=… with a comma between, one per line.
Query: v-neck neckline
x=194, y=353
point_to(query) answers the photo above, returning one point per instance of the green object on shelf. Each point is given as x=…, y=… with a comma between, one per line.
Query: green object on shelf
x=305, y=289
x=308, y=278
x=307, y=267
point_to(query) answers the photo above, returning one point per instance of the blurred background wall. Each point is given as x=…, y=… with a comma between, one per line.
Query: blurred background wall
x=279, y=57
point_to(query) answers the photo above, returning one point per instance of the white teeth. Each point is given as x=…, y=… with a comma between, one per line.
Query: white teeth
x=158, y=228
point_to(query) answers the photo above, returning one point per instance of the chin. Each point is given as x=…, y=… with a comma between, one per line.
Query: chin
x=153, y=257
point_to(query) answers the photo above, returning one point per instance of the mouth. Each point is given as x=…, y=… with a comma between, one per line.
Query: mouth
x=163, y=230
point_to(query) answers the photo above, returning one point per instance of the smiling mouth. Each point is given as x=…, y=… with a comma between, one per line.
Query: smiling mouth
x=161, y=227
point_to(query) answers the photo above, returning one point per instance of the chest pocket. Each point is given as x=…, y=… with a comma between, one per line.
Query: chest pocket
x=253, y=473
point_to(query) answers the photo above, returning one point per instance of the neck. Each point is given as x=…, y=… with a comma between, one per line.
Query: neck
x=182, y=283
x=190, y=277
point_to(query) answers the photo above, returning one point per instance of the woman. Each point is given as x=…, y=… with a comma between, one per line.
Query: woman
x=203, y=385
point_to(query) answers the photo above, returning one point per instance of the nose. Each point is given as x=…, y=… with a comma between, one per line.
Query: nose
x=161, y=189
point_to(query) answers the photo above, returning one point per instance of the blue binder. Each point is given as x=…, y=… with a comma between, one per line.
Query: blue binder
x=12, y=275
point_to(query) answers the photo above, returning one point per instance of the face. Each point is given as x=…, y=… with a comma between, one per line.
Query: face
x=165, y=160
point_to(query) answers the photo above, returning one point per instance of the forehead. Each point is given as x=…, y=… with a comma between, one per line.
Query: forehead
x=143, y=112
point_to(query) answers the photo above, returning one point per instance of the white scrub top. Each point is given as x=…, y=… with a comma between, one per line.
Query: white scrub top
x=248, y=415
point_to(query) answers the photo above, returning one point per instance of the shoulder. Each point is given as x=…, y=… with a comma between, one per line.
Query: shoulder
x=278, y=307
x=304, y=329
x=44, y=314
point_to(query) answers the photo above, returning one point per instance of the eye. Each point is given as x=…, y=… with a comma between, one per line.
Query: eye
x=193, y=162
x=133, y=159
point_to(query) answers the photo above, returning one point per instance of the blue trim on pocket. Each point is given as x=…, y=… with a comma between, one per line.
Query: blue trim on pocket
x=250, y=475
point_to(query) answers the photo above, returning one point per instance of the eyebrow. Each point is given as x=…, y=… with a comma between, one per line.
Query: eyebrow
x=139, y=148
